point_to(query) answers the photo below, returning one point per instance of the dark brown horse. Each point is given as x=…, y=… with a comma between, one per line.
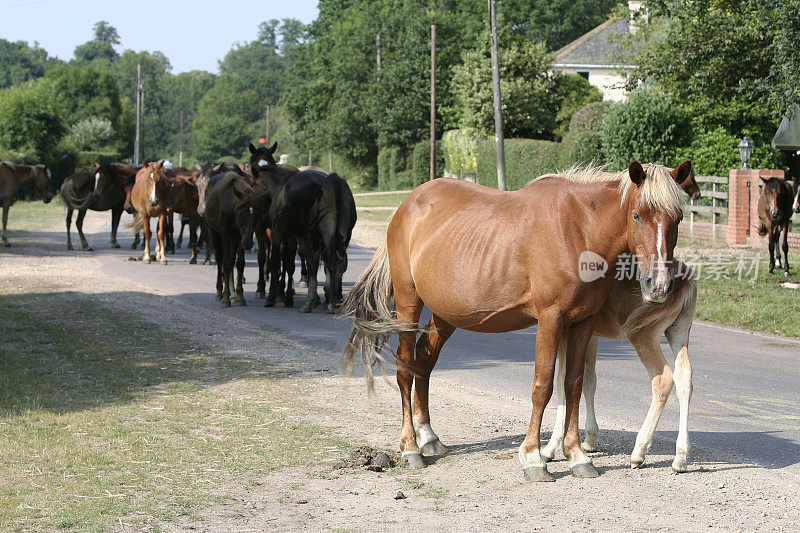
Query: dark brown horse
x=149, y=197
x=184, y=198
x=13, y=178
x=494, y=261
x=230, y=211
x=102, y=190
x=775, y=213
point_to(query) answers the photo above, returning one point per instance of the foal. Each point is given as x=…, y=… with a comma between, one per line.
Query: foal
x=13, y=178
x=775, y=213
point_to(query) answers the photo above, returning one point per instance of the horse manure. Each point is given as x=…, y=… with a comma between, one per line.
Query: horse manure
x=368, y=458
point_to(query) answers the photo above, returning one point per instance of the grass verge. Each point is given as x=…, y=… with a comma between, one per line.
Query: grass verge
x=108, y=421
x=35, y=215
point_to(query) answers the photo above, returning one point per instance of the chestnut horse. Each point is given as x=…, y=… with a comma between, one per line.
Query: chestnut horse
x=494, y=261
x=775, y=214
x=13, y=178
x=149, y=198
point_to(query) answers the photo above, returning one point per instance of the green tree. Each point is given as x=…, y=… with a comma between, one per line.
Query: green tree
x=101, y=48
x=86, y=91
x=20, y=62
x=572, y=93
x=31, y=119
x=529, y=109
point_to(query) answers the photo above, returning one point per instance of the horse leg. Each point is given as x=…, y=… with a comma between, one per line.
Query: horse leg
x=228, y=260
x=146, y=241
x=409, y=307
x=261, y=239
x=116, y=214
x=556, y=441
x=312, y=260
x=429, y=346
x=217, y=240
x=169, y=231
x=136, y=239
x=275, y=268
x=163, y=227
x=304, y=270
x=69, y=223
x=192, y=240
x=580, y=463
x=649, y=350
x=180, y=234
x=6, y=207
x=589, y=387
x=785, y=248
x=240, y=280
x=288, y=268
x=79, y=225
x=205, y=232
x=678, y=337
x=771, y=250
x=548, y=337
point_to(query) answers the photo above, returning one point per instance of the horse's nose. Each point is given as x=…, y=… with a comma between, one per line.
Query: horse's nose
x=154, y=203
x=773, y=213
x=97, y=195
x=48, y=198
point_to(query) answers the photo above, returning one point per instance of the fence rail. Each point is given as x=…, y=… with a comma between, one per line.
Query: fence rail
x=718, y=207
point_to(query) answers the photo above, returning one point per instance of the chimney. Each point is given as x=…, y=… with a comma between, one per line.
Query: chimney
x=638, y=14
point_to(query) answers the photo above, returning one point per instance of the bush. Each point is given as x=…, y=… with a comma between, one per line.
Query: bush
x=93, y=133
x=393, y=173
x=589, y=117
x=31, y=120
x=460, y=150
x=420, y=171
x=526, y=159
x=649, y=127
x=584, y=147
x=572, y=93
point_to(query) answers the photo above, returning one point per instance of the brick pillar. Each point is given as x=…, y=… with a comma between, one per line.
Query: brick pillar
x=743, y=193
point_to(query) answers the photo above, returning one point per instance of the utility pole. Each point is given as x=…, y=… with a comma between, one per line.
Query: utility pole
x=138, y=113
x=309, y=157
x=330, y=161
x=498, y=110
x=267, y=137
x=433, y=102
x=180, y=152
x=378, y=46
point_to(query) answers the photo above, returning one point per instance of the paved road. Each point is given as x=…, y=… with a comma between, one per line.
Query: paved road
x=746, y=386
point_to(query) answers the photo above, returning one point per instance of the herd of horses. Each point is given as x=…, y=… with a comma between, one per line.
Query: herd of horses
x=289, y=210
x=480, y=259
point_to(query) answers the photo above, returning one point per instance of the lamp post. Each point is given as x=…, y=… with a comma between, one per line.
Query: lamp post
x=745, y=151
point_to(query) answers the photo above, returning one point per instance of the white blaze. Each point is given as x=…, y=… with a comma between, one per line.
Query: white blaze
x=96, y=180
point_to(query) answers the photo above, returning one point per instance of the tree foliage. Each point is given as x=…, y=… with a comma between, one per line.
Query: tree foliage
x=101, y=48
x=20, y=62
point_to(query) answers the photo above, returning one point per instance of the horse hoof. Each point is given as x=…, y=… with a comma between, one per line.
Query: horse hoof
x=114, y=245
x=538, y=474
x=218, y=297
x=302, y=284
x=585, y=470
x=193, y=261
x=636, y=463
x=147, y=260
x=260, y=295
x=239, y=303
x=87, y=248
x=305, y=309
x=434, y=448
x=69, y=247
x=288, y=302
x=785, y=274
x=588, y=448
x=414, y=460
x=270, y=302
x=7, y=244
x=225, y=304
x=679, y=467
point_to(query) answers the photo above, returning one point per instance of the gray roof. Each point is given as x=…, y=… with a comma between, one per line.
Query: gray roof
x=788, y=135
x=598, y=47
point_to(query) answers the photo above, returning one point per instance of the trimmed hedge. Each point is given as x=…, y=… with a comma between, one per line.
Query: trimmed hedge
x=87, y=159
x=526, y=159
x=402, y=168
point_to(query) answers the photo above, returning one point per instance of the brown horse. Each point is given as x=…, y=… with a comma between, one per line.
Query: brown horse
x=149, y=198
x=775, y=213
x=102, y=190
x=184, y=195
x=495, y=261
x=230, y=211
x=13, y=178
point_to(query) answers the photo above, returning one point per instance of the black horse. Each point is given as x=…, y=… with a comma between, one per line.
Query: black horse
x=312, y=210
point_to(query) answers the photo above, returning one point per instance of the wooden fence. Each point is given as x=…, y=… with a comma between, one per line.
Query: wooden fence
x=715, y=230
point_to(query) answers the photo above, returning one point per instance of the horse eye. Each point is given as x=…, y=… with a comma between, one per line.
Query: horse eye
x=636, y=216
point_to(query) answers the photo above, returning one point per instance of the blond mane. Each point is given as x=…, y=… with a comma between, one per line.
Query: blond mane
x=659, y=190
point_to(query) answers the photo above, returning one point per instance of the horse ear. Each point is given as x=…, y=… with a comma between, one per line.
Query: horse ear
x=273, y=147
x=237, y=192
x=682, y=172
x=765, y=180
x=252, y=148
x=636, y=173
x=97, y=165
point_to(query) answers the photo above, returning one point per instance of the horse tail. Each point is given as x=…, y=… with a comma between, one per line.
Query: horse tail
x=762, y=228
x=136, y=225
x=679, y=300
x=369, y=307
x=72, y=199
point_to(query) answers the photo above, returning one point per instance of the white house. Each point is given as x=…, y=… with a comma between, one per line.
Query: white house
x=598, y=57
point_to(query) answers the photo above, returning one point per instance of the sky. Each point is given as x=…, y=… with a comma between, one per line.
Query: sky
x=194, y=35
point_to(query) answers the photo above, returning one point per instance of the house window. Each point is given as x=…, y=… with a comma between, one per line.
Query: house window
x=584, y=73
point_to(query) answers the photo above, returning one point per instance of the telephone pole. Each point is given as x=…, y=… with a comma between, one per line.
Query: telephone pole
x=138, y=113
x=433, y=102
x=267, y=137
x=498, y=110
x=180, y=152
